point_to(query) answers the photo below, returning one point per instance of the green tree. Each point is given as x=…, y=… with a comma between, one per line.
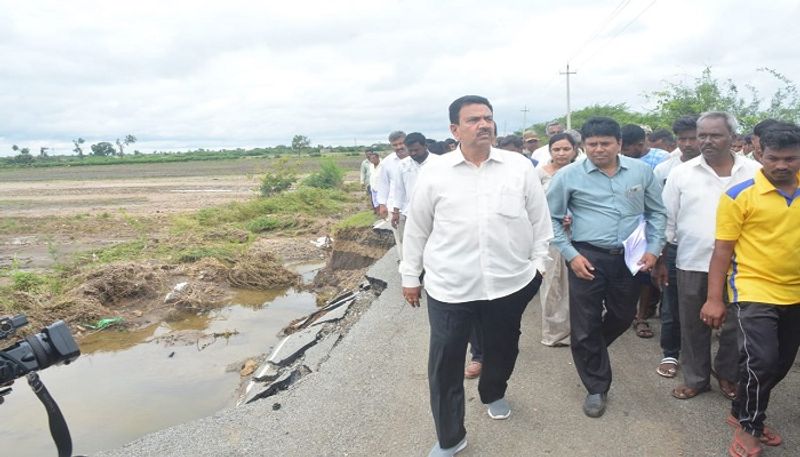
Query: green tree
x=706, y=93
x=43, y=151
x=620, y=112
x=78, y=149
x=129, y=139
x=300, y=142
x=103, y=149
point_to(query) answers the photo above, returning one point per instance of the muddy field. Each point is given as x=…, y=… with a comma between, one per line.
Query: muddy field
x=51, y=217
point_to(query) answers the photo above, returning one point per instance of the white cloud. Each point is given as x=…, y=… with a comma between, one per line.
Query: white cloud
x=210, y=74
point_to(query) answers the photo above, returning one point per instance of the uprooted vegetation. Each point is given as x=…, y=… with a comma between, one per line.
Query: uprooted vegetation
x=211, y=250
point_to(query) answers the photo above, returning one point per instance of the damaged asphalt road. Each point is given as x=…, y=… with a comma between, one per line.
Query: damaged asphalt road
x=370, y=398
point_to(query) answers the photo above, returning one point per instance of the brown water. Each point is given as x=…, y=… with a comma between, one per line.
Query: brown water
x=127, y=384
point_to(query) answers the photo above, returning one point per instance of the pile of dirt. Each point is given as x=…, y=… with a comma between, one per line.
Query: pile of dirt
x=146, y=292
x=122, y=284
x=259, y=268
x=354, y=250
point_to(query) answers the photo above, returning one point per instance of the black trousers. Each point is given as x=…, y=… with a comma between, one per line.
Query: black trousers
x=600, y=310
x=451, y=326
x=769, y=336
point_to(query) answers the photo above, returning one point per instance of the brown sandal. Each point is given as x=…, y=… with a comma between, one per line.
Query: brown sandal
x=738, y=448
x=682, y=392
x=642, y=328
x=769, y=437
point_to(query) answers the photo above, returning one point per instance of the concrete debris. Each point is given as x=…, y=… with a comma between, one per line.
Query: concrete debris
x=293, y=346
x=336, y=313
x=320, y=352
x=376, y=284
x=268, y=373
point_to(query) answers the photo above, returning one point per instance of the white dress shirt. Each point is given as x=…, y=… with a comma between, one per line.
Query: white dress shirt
x=407, y=172
x=663, y=169
x=542, y=155
x=691, y=196
x=480, y=232
x=387, y=172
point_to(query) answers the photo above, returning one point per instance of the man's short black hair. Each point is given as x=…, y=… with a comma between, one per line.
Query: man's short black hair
x=437, y=148
x=415, y=137
x=762, y=126
x=510, y=140
x=455, y=107
x=662, y=135
x=631, y=134
x=780, y=135
x=684, y=124
x=600, y=126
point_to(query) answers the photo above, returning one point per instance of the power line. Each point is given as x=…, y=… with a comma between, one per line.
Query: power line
x=611, y=16
x=619, y=32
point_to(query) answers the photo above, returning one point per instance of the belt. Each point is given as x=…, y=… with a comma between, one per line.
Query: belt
x=591, y=247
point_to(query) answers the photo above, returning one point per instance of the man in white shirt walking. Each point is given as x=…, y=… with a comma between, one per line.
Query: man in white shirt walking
x=388, y=174
x=691, y=196
x=480, y=217
x=408, y=169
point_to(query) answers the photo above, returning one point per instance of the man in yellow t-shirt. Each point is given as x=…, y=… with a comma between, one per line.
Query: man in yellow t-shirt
x=757, y=249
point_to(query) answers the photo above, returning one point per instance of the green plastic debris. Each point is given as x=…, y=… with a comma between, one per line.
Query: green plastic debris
x=105, y=323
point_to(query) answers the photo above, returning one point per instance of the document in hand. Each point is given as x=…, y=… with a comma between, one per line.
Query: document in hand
x=635, y=247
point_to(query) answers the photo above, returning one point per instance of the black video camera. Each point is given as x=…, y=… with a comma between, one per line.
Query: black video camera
x=53, y=345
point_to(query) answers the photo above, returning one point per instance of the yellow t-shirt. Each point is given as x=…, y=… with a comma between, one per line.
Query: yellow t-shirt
x=765, y=223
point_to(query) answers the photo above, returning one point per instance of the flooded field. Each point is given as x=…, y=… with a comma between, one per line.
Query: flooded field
x=126, y=384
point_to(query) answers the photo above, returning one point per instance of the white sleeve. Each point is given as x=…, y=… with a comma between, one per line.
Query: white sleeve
x=383, y=183
x=539, y=217
x=419, y=224
x=397, y=196
x=671, y=198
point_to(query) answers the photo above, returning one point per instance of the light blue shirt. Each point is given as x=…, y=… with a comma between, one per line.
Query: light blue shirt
x=654, y=157
x=606, y=210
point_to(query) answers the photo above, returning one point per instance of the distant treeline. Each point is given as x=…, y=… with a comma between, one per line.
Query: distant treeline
x=164, y=156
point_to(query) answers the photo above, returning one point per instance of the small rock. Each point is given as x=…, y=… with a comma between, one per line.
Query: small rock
x=249, y=367
x=138, y=313
x=276, y=406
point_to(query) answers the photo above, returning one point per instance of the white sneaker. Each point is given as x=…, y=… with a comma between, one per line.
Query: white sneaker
x=437, y=451
x=499, y=409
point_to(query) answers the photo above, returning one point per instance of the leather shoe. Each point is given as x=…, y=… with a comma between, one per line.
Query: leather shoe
x=594, y=405
x=473, y=370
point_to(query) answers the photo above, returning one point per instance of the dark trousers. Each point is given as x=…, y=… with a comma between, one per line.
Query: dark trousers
x=696, y=335
x=451, y=326
x=475, y=343
x=769, y=336
x=595, y=327
x=670, y=318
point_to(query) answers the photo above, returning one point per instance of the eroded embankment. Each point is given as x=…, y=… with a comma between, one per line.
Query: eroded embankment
x=309, y=340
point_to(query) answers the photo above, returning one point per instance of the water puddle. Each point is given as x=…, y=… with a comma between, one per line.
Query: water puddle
x=127, y=384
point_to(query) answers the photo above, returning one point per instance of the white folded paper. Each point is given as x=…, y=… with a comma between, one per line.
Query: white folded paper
x=635, y=247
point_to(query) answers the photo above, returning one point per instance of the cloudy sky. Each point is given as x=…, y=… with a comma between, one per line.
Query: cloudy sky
x=190, y=74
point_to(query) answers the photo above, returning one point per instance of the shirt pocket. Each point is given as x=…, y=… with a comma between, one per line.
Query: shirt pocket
x=634, y=199
x=509, y=201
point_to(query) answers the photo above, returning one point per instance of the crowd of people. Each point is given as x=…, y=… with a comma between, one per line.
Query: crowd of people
x=600, y=226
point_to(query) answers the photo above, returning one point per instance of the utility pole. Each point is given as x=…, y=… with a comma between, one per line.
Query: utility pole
x=524, y=119
x=569, y=110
